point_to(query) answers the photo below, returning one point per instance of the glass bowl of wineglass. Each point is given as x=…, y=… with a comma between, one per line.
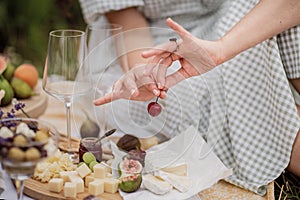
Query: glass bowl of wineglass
x=67, y=73
x=23, y=143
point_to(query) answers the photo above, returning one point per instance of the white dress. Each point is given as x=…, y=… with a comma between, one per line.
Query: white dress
x=244, y=108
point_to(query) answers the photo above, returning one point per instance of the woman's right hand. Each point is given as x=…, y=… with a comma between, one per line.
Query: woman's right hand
x=196, y=56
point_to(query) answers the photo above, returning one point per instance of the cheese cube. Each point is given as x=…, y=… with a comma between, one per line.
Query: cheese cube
x=111, y=185
x=65, y=175
x=109, y=175
x=108, y=167
x=56, y=185
x=70, y=190
x=83, y=170
x=99, y=171
x=79, y=183
x=96, y=187
x=88, y=179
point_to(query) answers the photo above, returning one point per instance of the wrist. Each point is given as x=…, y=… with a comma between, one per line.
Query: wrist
x=220, y=50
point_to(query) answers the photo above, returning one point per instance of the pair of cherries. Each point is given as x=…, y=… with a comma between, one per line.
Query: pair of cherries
x=154, y=108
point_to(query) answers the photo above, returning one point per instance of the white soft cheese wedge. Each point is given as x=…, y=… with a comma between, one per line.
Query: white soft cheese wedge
x=156, y=185
x=181, y=183
x=178, y=169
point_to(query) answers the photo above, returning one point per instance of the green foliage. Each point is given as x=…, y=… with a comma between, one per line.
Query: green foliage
x=25, y=25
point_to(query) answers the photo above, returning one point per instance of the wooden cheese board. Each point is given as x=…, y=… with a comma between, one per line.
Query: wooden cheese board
x=37, y=190
x=35, y=105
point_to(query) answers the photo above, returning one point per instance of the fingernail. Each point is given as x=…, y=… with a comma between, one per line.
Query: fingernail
x=159, y=85
x=132, y=91
x=156, y=92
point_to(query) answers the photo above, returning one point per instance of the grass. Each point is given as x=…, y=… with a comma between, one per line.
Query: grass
x=287, y=187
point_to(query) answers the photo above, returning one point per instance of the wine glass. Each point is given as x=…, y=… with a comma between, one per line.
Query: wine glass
x=66, y=74
x=105, y=55
x=23, y=143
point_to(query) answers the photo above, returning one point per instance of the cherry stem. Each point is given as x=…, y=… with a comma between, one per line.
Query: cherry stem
x=156, y=100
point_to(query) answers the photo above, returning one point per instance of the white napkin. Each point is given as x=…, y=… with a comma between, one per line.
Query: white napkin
x=204, y=167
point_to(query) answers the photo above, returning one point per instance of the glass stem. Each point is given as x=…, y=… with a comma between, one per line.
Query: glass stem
x=68, y=117
x=20, y=188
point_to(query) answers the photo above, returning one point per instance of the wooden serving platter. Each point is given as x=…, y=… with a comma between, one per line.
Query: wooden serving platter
x=37, y=190
x=35, y=105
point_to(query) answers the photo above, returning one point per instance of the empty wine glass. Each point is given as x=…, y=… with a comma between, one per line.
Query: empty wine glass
x=105, y=55
x=66, y=74
x=24, y=143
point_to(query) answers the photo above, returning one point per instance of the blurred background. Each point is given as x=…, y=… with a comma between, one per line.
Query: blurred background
x=25, y=25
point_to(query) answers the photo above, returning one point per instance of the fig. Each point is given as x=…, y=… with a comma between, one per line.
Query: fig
x=89, y=128
x=128, y=142
x=130, y=183
x=130, y=175
x=137, y=154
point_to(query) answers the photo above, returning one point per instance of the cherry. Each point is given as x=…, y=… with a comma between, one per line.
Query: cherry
x=154, y=108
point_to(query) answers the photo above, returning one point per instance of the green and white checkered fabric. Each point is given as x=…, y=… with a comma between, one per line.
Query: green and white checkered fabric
x=244, y=108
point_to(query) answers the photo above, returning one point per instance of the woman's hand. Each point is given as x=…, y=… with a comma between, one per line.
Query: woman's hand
x=134, y=85
x=196, y=56
x=146, y=81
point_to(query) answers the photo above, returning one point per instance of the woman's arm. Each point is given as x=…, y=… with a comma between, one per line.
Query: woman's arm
x=266, y=19
x=135, y=38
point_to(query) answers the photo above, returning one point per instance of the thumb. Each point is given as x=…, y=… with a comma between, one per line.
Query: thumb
x=177, y=28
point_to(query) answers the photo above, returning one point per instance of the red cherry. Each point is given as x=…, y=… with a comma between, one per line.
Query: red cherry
x=154, y=109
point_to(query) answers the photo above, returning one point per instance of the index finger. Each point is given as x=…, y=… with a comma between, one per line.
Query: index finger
x=106, y=99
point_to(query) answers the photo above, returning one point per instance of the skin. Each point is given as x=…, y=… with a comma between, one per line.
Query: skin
x=199, y=56
x=132, y=19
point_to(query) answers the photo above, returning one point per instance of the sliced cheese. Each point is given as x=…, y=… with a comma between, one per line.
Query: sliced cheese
x=56, y=185
x=181, y=183
x=70, y=190
x=156, y=185
x=178, y=169
x=96, y=187
x=83, y=170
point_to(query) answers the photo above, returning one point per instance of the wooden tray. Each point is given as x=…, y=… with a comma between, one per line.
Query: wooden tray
x=34, y=106
x=38, y=190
